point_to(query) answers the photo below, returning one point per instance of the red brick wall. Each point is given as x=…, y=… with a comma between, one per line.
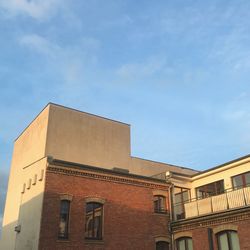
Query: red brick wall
x=129, y=221
x=200, y=236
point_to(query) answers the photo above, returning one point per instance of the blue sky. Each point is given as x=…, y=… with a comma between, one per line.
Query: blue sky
x=178, y=71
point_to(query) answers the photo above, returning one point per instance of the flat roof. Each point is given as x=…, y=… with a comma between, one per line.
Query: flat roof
x=171, y=165
x=63, y=163
x=76, y=110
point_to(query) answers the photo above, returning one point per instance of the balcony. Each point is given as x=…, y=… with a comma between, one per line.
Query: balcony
x=230, y=199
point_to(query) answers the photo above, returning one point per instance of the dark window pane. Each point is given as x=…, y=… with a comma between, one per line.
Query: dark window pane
x=162, y=245
x=185, y=195
x=241, y=180
x=247, y=177
x=159, y=204
x=93, y=220
x=210, y=189
x=64, y=219
x=237, y=181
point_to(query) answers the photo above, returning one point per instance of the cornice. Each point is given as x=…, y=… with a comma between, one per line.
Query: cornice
x=212, y=220
x=110, y=177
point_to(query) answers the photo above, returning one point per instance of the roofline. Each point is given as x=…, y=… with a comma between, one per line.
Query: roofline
x=103, y=170
x=222, y=165
x=77, y=110
x=165, y=163
x=83, y=112
x=31, y=122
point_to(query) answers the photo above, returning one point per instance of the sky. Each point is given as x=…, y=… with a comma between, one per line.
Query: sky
x=178, y=71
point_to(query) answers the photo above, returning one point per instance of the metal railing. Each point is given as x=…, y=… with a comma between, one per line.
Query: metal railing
x=230, y=199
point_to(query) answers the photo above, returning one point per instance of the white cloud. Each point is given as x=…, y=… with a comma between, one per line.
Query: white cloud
x=39, y=44
x=68, y=62
x=141, y=70
x=38, y=9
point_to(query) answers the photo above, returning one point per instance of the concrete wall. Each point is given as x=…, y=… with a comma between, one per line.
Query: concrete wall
x=87, y=139
x=28, y=148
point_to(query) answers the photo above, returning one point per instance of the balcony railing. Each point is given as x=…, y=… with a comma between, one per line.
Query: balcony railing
x=230, y=199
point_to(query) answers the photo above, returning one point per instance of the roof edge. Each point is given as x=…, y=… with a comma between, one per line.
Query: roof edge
x=63, y=163
x=83, y=112
x=172, y=165
x=222, y=165
x=20, y=134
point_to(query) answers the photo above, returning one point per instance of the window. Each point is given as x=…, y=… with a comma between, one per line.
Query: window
x=64, y=219
x=181, y=195
x=94, y=221
x=210, y=189
x=159, y=204
x=162, y=245
x=241, y=180
x=184, y=243
x=228, y=240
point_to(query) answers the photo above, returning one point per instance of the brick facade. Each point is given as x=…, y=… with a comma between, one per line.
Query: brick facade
x=129, y=218
x=238, y=221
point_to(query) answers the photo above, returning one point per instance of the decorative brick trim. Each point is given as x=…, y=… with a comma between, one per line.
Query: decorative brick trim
x=165, y=238
x=225, y=227
x=105, y=177
x=229, y=218
x=183, y=234
x=67, y=197
x=95, y=199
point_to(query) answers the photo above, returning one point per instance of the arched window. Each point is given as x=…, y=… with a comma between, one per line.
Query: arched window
x=64, y=219
x=94, y=220
x=228, y=240
x=162, y=245
x=159, y=204
x=184, y=243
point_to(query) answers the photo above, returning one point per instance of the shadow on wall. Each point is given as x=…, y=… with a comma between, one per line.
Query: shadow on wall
x=28, y=224
x=124, y=227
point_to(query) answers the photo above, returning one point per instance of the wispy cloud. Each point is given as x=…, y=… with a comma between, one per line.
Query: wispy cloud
x=68, y=62
x=38, y=9
x=40, y=44
x=146, y=68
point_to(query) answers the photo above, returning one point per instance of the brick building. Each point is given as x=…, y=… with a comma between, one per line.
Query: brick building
x=73, y=184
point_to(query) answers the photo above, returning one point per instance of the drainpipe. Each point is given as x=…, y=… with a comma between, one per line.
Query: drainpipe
x=210, y=238
x=171, y=212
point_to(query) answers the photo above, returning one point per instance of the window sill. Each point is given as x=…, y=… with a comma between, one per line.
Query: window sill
x=89, y=241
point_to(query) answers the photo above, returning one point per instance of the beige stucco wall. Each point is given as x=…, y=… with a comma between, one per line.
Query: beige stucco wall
x=87, y=139
x=31, y=206
x=28, y=148
x=69, y=135
x=222, y=173
x=148, y=168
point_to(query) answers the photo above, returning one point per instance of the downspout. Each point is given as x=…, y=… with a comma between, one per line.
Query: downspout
x=171, y=212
